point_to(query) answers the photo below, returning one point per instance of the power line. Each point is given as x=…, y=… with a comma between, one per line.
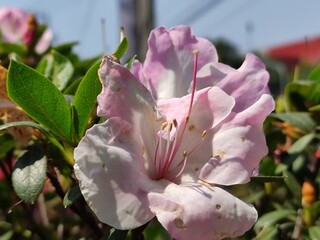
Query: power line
x=200, y=11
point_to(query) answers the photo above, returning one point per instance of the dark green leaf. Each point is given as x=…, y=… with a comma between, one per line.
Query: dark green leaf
x=85, y=98
x=300, y=120
x=6, y=144
x=38, y=97
x=29, y=173
x=272, y=218
x=293, y=185
x=71, y=196
x=263, y=179
x=302, y=93
x=121, y=49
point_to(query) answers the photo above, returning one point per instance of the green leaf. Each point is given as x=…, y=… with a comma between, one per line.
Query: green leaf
x=300, y=120
x=85, y=99
x=57, y=68
x=314, y=232
x=299, y=145
x=29, y=173
x=293, y=185
x=39, y=98
x=7, y=48
x=121, y=49
x=118, y=235
x=272, y=218
x=7, y=235
x=267, y=233
x=72, y=88
x=130, y=62
x=315, y=74
x=302, y=93
x=71, y=196
x=314, y=108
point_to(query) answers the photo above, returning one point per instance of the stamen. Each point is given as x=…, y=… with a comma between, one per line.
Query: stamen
x=173, y=147
x=194, y=80
x=179, y=142
x=184, y=161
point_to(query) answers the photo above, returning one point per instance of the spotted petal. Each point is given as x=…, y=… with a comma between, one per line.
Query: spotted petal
x=238, y=145
x=111, y=174
x=196, y=211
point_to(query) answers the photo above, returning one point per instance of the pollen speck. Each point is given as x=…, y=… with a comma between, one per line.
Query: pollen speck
x=191, y=127
x=179, y=223
x=243, y=139
x=218, y=206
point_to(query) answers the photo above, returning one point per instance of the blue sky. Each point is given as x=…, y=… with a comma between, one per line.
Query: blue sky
x=249, y=24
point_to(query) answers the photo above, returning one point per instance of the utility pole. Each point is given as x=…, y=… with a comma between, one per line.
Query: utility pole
x=136, y=17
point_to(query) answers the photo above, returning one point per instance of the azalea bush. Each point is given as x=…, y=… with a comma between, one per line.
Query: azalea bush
x=180, y=146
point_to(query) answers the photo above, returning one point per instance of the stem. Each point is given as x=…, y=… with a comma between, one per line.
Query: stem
x=77, y=207
x=297, y=227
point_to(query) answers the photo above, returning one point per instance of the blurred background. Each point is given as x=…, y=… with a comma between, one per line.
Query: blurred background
x=245, y=24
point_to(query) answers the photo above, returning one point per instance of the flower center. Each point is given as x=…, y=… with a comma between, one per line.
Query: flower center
x=168, y=146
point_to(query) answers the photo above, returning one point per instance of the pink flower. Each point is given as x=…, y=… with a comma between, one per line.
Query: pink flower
x=18, y=26
x=178, y=128
x=13, y=24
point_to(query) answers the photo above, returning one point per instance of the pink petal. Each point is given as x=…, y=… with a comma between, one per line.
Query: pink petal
x=125, y=97
x=196, y=211
x=210, y=107
x=245, y=84
x=111, y=174
x=238, y=145
x=44, y=42
x=169, y=62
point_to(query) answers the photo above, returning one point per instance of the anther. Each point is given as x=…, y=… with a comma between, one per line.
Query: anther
x=187, y=119
x=175, y=123
x=185, y=153
x=203, y=134
x=164, y=125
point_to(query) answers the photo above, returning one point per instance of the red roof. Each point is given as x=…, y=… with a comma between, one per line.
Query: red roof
x=306, y=51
